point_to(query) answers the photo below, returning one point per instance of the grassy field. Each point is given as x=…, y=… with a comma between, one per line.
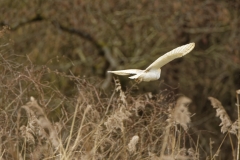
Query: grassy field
x=38, y=121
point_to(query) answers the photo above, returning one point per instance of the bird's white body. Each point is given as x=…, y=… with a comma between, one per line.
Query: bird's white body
x=153, y=74
x=153, y=71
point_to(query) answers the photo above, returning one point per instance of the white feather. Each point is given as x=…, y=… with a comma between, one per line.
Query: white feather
x=169, y=56
x=126, y=72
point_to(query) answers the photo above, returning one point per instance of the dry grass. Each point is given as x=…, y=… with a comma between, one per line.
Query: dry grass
x=226, y=126
x=40, y=122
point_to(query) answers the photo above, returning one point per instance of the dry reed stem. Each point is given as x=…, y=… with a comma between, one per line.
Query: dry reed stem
x=122, y=96
x=79, y=137
x=211, y=147
x=39, y=123
x=181, y=154
x=66, y=153
x=180, y=115
x=237, y=124
x=28, y=133
x=115, y=121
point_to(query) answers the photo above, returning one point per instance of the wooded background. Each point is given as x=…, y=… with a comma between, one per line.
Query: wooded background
x=88, y=38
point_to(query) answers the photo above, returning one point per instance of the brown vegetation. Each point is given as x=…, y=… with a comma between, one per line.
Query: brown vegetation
x=47, y=112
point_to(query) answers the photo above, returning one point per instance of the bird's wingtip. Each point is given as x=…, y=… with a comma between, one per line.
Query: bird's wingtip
x=192, y=44
x=188, y=48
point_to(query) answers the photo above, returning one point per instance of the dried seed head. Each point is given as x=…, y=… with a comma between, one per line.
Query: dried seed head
x=180, y=113
x=132, y=144
x=238, y=91
x=222, y=114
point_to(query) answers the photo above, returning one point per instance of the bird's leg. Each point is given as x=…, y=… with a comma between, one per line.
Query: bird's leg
x=138, y=80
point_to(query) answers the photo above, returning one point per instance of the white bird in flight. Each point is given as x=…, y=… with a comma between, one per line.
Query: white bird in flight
x=153, y=71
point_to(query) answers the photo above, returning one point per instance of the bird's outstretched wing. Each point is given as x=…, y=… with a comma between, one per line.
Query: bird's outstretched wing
x=126, y=72
x=169, y=56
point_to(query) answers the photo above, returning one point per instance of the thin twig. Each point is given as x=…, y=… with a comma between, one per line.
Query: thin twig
x=238, y=108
